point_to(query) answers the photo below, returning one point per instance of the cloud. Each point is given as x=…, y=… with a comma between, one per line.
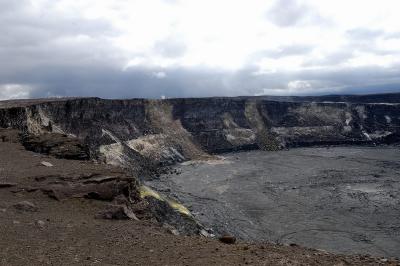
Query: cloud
x=160, y=74
x=14, y=91
x=154, y=48
x=282, y=51
x=287, y=13
x=33, y=38
x=363, y=33
x=172, y=46
x=393, y=35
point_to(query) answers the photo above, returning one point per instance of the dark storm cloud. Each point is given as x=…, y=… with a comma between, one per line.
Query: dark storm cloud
x=71, y=56
x=345, y=80
x=135, y=82
x=108, y=82
x=50, y=53
x=30, y=39
x=35, y=40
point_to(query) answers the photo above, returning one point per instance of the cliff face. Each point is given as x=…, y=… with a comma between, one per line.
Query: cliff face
x=229, y=124
x=153, y=132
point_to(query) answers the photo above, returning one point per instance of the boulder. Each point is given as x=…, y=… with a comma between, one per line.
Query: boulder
x=105, y=188
x=57, y=145
x=7, y=184
x=41, y=224
x=26, y=206
x=117, y=212
x=227, y=239
x=47, y=164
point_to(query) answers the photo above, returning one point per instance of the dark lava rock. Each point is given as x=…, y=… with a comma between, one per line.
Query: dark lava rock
x=6, y=184
x=41, y=224
x=227, y=239
x=9, y=135
x=57, y=145
x=165, y=214
x=107, y=188
x=26, y=206
x=117, y=212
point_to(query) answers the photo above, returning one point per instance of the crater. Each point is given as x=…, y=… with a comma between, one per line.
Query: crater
x=324, y=198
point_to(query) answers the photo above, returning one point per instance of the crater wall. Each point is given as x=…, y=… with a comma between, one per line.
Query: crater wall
x=141, y=132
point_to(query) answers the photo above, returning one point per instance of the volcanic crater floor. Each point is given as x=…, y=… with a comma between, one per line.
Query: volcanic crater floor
x=51, y=232
x=340, y=199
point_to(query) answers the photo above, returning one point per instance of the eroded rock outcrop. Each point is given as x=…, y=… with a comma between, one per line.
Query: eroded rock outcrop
x=145, y=134
x=57, y=145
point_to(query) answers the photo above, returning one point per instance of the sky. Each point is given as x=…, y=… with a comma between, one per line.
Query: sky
x=192, y=48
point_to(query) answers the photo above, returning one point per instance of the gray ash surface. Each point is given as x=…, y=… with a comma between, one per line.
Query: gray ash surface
x=340, y=199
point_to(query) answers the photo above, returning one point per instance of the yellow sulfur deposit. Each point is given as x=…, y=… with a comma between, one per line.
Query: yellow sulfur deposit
x=148, y=192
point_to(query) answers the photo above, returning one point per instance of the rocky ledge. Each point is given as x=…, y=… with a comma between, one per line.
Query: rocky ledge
x=145, y=134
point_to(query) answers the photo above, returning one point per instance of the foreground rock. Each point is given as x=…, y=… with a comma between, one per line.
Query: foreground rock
x=227, y=239
x=57, y=145
x=47, y=164
x=26, y=206
x=7, y=184
x=96, y=187
x=117, y=212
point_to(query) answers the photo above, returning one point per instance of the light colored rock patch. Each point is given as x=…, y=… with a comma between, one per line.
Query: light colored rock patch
x=228, y=121
x=236, y=135
x=221, y=189
x=216, y=161
x=156, y=147
x=323, y=113
x=302, y=131
x=347, y=129
x=367, y=136
x=254, y=117
x=36, y=121
x=379, y=134
x=40, y=122
x=240, y=136
x=388, y=119
x=349, y=118
x=392, y=104
x=366, y=188
x=105, y=132
x=171, y=133
x=361, y=111
x=113, y=154
x=171, y=153
x=147, y=144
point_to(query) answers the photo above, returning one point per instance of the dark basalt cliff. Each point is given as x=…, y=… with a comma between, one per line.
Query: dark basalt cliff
x=141, y=132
